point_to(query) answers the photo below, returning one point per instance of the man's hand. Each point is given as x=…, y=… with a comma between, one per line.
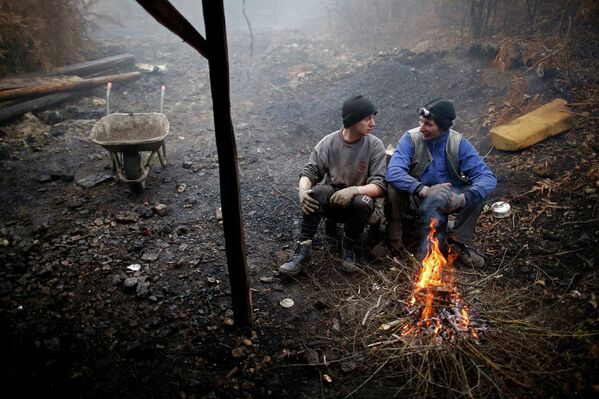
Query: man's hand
x=343, y=197
x=307, y=203
x=455, y=202
x=434, y=190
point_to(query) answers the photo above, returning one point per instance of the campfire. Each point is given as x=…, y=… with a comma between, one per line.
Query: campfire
x=436, y=307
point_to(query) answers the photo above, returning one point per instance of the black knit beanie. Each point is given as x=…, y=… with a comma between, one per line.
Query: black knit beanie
x=443, y=112
x=355, y=109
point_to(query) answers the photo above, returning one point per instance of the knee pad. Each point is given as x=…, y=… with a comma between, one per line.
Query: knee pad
x=363, y=205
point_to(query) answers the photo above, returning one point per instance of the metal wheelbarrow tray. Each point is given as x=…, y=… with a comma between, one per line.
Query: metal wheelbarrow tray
x=126, y=136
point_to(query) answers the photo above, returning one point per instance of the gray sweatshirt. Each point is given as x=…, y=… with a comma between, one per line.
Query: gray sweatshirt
x=345, y=164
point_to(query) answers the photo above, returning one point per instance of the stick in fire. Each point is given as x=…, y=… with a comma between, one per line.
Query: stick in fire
x=437, y=308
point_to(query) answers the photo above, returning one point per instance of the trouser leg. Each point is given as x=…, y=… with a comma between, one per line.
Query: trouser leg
x=465, y=223
x=357, y=214
x=397, y=205
x=321, y=193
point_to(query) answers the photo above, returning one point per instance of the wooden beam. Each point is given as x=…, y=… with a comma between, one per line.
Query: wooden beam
x=58, y=85
x=82, y=68
x=165, y=13
x=13, y=111
x=216, y=35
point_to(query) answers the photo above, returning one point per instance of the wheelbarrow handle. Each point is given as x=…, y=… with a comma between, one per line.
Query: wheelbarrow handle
x=162, y=90
x=108, y=88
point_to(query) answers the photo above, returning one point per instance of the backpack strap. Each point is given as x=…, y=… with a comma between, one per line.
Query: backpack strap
x=422, y=156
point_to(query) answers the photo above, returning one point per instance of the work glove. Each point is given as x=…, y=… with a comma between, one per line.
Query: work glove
x=426, y=190
x=455, y=202
x=307, y=203
x=438, y=197
x=343, y=197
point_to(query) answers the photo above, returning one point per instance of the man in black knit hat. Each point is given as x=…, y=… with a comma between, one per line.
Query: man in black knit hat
x=435, y=171
x=352, y=164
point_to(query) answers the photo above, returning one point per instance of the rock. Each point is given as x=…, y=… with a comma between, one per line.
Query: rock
x=117, y=279
x=486, y=51
x=5, y=287
x=187, y=164
x=146, y=213
x=52, y=344
x=46, y=271
x=98, y=102
x=134, y=267
x=127, y=217
x=287, y=303
x=130, y=282
x=149, y=256
x=229, y=322
x=137, y=245
x=142, y=290
x=311, y=356
x=75, y=203
x=5, y=154
x=348, y=366
x=423, y=47
x=160, y=209
x=211, y=280
x=219, y=214
x=94, y=180
x=43, y=178
x=181, y=187
x=239, y=352
x=267, y=279
x=51, y=117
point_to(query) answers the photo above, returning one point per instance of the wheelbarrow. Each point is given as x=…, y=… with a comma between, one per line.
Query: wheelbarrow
x=129, y=138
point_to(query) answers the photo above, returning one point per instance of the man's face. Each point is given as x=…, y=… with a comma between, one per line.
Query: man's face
x=429, y=129
x=365, y=126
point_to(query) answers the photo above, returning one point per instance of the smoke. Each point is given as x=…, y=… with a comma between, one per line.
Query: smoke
x=434, y=207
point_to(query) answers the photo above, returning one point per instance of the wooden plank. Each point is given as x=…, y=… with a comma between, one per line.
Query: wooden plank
x=165, y=13
x=83, y=68
x=214, y=21
x=8, y=84
x=13, y=111
x=53, y=86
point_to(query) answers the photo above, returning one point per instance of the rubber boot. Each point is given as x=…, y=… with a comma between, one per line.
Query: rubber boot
x=300, y=257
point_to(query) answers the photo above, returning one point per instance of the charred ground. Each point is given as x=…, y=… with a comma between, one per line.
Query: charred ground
x=70, y=327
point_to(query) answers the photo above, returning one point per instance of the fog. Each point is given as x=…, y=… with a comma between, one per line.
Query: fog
x=128, y=17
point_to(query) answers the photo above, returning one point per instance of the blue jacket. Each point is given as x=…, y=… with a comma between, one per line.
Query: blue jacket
x=482, y=179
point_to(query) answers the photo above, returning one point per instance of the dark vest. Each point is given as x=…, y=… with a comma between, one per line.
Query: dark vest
x=422, y=156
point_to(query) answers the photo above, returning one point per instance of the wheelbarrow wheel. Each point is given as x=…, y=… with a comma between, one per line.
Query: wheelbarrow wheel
x=132, y=167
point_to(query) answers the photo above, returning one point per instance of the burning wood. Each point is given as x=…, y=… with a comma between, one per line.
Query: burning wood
x=436, y=307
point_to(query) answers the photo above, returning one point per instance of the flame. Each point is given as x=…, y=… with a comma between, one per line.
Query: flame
x=435, y=288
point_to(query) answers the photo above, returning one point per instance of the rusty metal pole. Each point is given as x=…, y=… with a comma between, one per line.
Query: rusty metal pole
x=218, y=62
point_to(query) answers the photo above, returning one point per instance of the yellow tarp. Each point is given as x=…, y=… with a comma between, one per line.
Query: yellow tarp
x=546, y=121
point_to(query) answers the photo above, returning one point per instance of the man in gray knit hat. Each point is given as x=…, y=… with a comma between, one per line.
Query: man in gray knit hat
x=352, y=163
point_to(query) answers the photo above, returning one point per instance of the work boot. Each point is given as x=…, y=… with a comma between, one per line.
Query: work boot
x=348, y=256
x=467, y=256
x=300, y=257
